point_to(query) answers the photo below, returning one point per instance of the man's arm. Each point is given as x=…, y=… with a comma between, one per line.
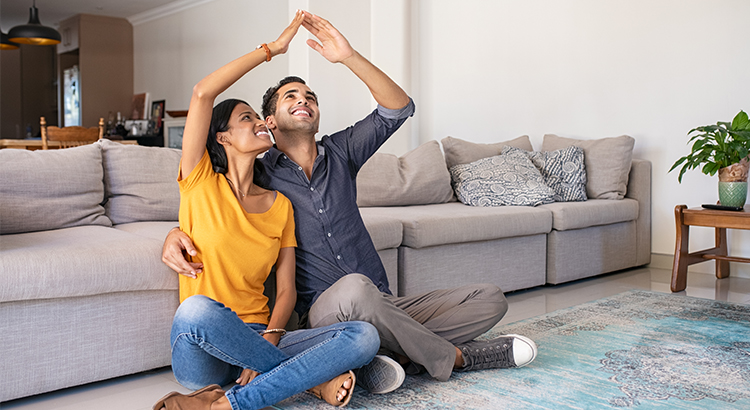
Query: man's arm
x=335, y=48
x=171, y=254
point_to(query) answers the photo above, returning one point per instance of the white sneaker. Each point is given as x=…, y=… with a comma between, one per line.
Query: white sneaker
x=524, y=350
x=382, y=375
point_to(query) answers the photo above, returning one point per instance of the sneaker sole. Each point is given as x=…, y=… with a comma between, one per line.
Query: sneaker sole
x=382, y=375
x=530, y=343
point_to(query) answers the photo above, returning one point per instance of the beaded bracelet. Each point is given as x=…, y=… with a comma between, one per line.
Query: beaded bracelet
x=282, y=331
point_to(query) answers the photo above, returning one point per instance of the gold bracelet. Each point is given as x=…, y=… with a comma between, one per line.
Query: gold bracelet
x=264, y=46
x=282, y=331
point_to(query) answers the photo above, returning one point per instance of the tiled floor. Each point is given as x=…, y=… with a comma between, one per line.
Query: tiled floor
x=139, y=392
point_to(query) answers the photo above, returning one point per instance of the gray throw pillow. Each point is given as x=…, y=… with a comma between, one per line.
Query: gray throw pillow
x=141, y=182
x=563, y=170
x=419, y=177
x=458, y=151
x=607, y=161
x=45, y=190
x=510, y=179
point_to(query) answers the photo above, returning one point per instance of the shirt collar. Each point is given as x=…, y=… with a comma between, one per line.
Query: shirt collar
x=274, y=154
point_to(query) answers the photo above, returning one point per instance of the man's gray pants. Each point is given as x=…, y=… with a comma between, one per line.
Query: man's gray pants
x=423, y=327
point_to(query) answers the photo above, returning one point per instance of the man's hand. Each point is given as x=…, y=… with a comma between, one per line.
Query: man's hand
x=333, y=46
x=172, y=254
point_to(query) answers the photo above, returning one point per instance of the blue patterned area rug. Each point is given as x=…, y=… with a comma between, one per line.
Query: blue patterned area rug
x=638, y=349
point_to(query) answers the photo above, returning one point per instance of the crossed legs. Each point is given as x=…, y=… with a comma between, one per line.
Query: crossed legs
x=211, y=345
x=423, y=328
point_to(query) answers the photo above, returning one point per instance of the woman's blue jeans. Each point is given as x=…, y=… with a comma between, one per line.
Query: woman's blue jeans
x=212, y=345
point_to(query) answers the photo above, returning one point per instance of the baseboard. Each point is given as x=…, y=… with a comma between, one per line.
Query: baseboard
x=661, y=261
x=665, y=261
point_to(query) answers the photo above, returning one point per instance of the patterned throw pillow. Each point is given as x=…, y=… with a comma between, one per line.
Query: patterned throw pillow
x=563, y=170
x=509, y=179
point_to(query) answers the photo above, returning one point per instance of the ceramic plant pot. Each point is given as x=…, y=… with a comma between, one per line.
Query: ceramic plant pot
x=733, y=184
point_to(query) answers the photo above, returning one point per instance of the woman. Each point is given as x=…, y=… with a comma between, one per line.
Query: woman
x=222, y=331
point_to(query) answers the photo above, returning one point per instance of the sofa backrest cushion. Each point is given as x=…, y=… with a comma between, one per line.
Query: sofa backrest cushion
x=607, y=161
x=419, y=177
x=458, y=151
x=45, y=190
x=140, y=182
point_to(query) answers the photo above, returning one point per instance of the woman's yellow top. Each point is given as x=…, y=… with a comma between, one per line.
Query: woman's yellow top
x=237, y=248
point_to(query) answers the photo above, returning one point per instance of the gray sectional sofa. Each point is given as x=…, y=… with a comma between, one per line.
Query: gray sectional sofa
x=84, y=295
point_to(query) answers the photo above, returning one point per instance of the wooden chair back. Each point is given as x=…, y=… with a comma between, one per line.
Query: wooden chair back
x=70, y=136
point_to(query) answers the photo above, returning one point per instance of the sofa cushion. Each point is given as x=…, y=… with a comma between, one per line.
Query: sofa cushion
x=607, y=161
x=594, y=212
x=153, y=229
x=458, y=151
x=508, y=179
x=454, y=222
x=563, y=170
x=80, y=261
x=141, y=182
x=386, y=231
x=43, y=190
x=418, y=177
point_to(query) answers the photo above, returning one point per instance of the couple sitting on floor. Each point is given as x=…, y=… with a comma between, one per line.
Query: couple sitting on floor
x=295, y=209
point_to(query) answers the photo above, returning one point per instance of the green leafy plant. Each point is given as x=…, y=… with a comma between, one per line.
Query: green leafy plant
x=716, y=146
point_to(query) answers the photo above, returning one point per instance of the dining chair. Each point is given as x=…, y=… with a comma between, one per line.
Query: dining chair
x=72, y=136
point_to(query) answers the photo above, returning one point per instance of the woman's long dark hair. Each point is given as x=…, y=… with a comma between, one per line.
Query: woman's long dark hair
x=220, y=116
x=220, y=123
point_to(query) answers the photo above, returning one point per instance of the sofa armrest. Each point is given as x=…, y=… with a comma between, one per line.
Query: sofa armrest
x=639, y=188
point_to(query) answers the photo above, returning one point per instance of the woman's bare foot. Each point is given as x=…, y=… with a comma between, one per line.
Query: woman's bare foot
x=337, y=391
x=344, y=390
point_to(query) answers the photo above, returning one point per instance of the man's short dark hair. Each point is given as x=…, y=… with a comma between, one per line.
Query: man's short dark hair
x=270, y=98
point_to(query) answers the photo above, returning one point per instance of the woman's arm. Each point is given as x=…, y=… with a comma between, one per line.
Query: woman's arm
x=286, y=293
x=205, y=92
x=286, y=297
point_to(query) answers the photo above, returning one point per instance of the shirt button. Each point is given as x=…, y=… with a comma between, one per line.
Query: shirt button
x=320, y=211
x=329, y=234
x=299, y=168
x=312, y=189
x=285, y=157
x=338, y=257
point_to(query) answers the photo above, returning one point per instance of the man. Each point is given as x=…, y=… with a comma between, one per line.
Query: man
x=339, y=274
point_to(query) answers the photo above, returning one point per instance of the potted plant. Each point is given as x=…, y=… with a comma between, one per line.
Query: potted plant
x=721, y=148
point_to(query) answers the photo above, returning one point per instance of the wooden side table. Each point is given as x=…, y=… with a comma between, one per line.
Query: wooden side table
x=721, y=221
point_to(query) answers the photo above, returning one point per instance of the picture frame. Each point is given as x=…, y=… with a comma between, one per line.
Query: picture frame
x=157, y=116
x=139, y=107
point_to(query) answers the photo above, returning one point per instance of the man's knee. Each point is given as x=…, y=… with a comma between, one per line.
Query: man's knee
x=495, y=299
x=345, y=300
x=485, y=298
x=356, y=288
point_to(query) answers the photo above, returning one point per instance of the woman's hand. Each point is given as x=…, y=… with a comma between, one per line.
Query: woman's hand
x=246, y=377
x=281, y=45
x=273, y=338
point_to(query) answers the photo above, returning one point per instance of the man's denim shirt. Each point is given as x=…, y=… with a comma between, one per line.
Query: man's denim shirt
x=332, y=240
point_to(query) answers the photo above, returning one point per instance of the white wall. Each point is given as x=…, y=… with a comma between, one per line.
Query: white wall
x=490, y=70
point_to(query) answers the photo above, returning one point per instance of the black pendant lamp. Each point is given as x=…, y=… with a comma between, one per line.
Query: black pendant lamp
x=34, y=32
x=6, y=44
